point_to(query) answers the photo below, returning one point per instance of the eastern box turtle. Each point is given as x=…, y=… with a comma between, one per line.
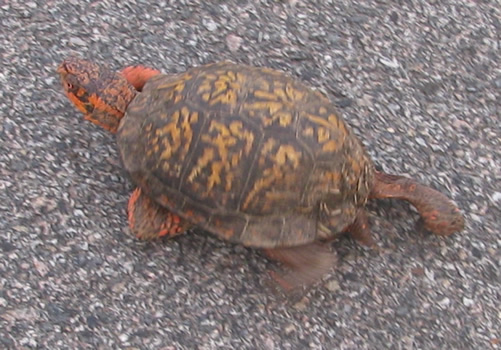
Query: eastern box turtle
x=248, y=154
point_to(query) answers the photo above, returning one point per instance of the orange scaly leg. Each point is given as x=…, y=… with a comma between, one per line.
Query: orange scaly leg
x=148, y=220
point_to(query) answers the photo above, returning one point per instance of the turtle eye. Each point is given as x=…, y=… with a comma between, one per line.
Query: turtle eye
x=69, y=86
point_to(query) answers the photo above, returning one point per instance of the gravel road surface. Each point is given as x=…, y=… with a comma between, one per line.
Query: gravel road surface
x=419, y=82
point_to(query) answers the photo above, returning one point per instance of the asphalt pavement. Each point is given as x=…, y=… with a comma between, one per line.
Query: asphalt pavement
x=419, y=82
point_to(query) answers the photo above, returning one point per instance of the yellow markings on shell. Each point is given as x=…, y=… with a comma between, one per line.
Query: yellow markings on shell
x=175, y=87
x=178, y=98
x=202, y=162
x=154, y=146
x=210, y=76
x=187, y=120
x=269, y=71
x=330, y=133
x=221, y=88
x=205, y=87
x=323, y=134
x=264, y=85
x=229, y=181
x=173, y=84
x=272, y=107
x=322, y=110
x=284, y=161
x=320, y=121
x=175, y=137
x=215, y=176
x=165, y=166
x=280, y=93
x=223, y=78
x=334, y=120
x=293, y=94
x=235, y=158
x=223, y=141
x=308, y=131
x=264, y=182
x=332, y=146
x=172, y=130
x=287, y=153
x=223, y=159
x=267, y=147
x=265, y=95
x=331, y=177
x=153, y=141
x=228, y=98
x=278, y=102
x=179, y=87
x=284, y=118
x=236, y=128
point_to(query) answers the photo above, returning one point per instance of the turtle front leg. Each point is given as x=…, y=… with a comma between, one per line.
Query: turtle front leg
x=137, y=76
x=307, y=264
x=440, y=215
x=148, y=220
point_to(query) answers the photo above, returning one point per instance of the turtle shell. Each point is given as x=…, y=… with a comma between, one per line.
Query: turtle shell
x=246, y=153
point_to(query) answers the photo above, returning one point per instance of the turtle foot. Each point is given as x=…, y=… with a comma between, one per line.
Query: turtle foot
x=148, y=220
x=306, y=264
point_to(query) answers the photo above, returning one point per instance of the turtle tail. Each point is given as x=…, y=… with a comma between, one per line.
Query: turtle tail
x=440, y=215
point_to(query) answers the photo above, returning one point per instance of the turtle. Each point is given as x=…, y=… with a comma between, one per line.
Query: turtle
x=249, y=154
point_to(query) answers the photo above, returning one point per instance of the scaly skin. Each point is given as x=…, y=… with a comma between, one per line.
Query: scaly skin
x=137, y=76
x=440, y=215
x=148, y=220
x=101, y=95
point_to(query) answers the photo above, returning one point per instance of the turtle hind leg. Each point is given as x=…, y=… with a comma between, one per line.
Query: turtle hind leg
x=332, y=222
x=137, y=76
x=440, y=215
x=360, y=230
x=148, y=220
x=306, y=264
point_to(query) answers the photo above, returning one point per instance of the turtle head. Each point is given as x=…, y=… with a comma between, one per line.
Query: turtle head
x=99, y=93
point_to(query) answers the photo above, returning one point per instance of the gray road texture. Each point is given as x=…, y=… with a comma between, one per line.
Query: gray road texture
x=419, y=81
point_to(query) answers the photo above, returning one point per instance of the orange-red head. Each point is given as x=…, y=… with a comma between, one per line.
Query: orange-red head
x=99, y=93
